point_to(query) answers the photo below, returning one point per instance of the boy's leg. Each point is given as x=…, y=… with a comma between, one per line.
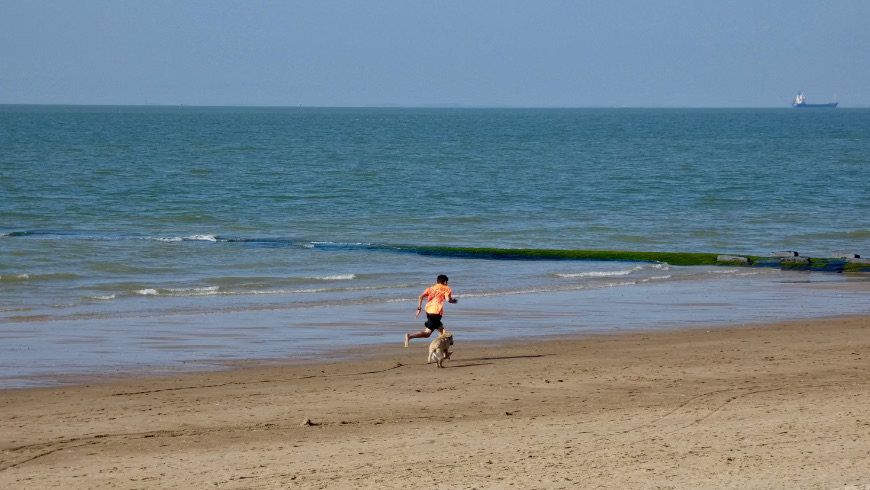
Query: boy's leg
x=428, y=327
x=419, y=335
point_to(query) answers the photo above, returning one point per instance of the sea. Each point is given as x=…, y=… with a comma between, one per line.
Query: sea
x=158, y=240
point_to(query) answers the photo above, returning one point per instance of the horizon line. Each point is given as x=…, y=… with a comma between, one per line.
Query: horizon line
x=399, y=106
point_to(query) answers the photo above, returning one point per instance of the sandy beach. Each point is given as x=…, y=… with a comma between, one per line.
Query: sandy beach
x=765, y=406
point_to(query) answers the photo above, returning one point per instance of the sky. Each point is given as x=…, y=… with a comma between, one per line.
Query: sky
x=414, y=53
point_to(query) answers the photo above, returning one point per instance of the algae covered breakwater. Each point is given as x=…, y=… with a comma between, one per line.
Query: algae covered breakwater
x=784, y=260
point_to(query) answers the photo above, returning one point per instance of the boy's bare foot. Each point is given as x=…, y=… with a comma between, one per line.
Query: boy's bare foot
x=407, y=338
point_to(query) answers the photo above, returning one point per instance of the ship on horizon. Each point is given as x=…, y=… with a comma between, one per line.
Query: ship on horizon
x=801, y=101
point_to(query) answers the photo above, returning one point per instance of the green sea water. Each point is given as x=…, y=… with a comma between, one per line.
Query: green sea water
x=143, y=212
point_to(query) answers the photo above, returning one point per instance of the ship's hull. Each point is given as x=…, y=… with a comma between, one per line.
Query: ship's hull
x=830, y=104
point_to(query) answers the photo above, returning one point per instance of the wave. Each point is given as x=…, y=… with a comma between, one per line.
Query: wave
x=229, y=282
x=672, y=258
x=105, y=297
x=853, y=234
x=330, y=293
x=337, y=277
x=217, y=291
x=37, y=277
x=14, y=233
x=563, y=287
x=657, y=278
x=192, y=238
x=202, y=290
x=14, y=277
x=575, y=275
x=16, y=309
x=550, y=289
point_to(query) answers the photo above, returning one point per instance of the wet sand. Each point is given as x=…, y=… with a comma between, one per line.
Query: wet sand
x=774, y=406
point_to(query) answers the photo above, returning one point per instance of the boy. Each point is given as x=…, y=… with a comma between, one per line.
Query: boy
x=435, y=295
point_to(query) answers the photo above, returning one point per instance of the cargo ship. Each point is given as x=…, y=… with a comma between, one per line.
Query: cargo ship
x=801, y=101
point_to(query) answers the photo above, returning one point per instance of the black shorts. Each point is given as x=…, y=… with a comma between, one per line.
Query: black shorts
x=433, y=321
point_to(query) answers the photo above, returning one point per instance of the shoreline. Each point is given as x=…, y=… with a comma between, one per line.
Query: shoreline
x=364, y=352
x=774, y=405
x=56, y=353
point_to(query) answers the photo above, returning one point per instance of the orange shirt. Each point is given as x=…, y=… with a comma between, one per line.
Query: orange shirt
x=435, y=298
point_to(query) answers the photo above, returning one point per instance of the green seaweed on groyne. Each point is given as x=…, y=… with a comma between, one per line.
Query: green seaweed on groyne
x=674, y=258
x=790, y=262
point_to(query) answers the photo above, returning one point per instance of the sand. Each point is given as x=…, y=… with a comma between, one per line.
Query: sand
x=767, y=406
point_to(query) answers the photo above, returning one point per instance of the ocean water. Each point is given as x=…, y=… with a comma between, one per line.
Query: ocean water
x=116, y=221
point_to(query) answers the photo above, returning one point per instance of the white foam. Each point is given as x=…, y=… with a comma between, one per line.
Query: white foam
x=147, y=292
x=204, y=238
x=623, y=272
x=209, y=289
x=337, y=277
x=656, y=278
x=341, y=243
x=104, y=298
x=16, y=277
x=191, y=238
x=286, y=291
x=621, y=284
x=308, y=291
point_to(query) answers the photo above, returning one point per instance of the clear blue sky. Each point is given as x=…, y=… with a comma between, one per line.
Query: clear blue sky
x=493, y=53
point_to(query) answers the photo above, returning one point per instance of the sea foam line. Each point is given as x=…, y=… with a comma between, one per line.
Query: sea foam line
x=616, y=273
x=623, y=272
x=207, y=289
x=15, y=277
x=559, y=289
x=103, y=298
x=191, y=238
x=214, y=291
x=336, y=277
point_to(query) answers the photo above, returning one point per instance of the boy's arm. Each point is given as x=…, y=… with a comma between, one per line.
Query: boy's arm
x=420, y=303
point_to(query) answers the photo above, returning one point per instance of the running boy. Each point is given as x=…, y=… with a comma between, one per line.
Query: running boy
x=435, y=295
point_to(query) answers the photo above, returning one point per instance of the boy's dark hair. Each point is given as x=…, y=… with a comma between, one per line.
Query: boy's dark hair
x=441, y=279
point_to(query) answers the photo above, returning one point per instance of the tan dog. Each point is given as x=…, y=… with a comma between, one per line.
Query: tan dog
x=439, y=349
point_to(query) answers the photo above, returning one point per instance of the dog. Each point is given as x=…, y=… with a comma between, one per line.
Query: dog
x=439, y=349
